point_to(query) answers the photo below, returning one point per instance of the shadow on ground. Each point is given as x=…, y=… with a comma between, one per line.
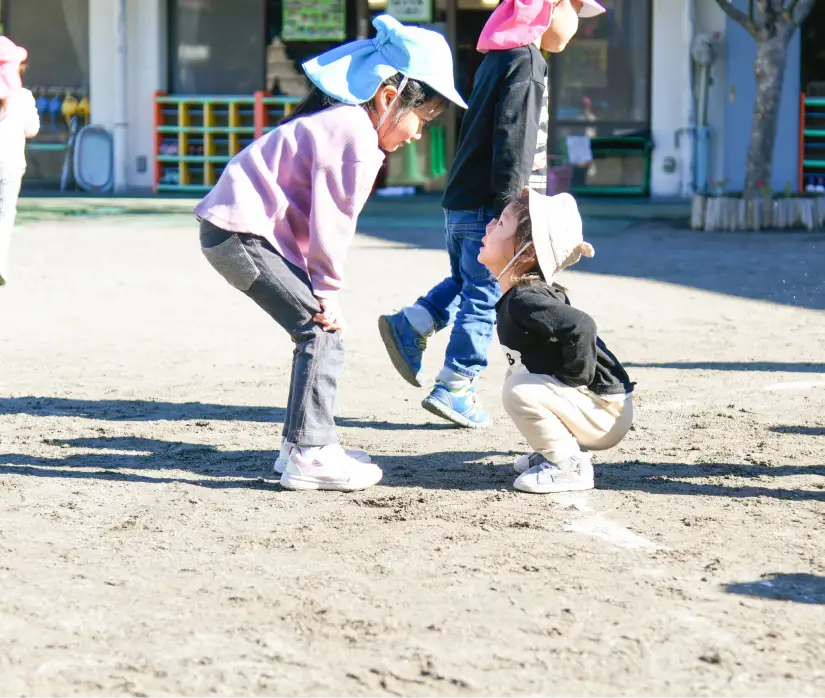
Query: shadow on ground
x=447, y=470
x=703, y=479
x=799, y=588
x=799, y=430
x=765, y=366
x=151, y=411
x=221, y=469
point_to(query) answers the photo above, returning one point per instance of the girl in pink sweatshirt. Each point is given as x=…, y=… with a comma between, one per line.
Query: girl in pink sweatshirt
x=279, y=222
x=18, y=121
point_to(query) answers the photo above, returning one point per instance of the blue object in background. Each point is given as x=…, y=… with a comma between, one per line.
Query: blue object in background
x=55, y=107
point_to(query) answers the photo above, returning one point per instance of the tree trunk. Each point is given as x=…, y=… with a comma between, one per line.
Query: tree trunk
x=771, y=57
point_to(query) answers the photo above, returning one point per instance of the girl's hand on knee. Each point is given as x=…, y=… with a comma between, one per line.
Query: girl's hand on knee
x=331, y=318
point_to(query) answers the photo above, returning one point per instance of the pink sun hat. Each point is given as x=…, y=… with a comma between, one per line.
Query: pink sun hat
x=517, y=23
x=11, y=52
x=11, y=56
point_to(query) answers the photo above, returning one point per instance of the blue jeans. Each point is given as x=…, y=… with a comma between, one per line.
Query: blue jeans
x=468, y=296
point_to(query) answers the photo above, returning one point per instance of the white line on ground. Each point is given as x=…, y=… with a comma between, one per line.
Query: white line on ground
x=600, y=526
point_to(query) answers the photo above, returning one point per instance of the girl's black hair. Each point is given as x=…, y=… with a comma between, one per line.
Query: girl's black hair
x=527, y=270
x=416, y=94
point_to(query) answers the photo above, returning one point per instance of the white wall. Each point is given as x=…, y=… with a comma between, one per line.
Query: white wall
x=146, y=73
x=672, y=99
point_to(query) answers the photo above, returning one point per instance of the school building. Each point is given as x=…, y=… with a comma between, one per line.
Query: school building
x=183, y=84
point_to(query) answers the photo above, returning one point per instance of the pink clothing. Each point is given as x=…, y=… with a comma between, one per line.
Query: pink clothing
x=516, y=23
x=11, y=56
x=301, y=187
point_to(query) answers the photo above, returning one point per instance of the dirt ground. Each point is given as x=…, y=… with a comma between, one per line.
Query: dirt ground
x=145, y=551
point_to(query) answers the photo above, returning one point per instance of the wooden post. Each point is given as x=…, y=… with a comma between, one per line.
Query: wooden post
x=362, y=18
x=259, y=111
x=158, y=121
x=802, y=143
x=452, y=110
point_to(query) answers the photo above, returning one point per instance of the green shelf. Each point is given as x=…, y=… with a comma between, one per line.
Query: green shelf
x=183, y=187
x=194, y=158
x=206, y=129
x=204, y=99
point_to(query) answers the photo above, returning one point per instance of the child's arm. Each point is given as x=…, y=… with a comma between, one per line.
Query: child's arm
x=28, y=112
x=515, y=138
x=578, y=346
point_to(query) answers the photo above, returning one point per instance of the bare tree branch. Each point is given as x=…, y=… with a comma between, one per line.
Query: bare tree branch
x=740, y=17
x=756, y=12
x=797, y=11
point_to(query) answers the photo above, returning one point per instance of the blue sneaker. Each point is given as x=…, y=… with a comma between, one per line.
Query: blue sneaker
x=404, y=345
x=461, y=408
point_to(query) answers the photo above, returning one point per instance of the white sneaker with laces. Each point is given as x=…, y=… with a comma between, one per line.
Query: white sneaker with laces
x=287, y=448
x=328, y=468
x=527, y=461
x=570, y=475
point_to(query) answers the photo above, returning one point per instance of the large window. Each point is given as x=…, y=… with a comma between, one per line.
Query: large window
x=58, y=47
x=602, y=79
x=240, y=46
x=216, y=46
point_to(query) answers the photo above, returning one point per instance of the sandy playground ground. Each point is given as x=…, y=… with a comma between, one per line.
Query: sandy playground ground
x=144, y=550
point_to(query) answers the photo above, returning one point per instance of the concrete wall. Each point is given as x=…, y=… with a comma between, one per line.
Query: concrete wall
x=672, y=101
x=146, y=73
x=741, y=88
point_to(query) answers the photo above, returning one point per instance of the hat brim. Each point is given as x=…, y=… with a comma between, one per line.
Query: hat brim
x=591, y=8
x=546, y=211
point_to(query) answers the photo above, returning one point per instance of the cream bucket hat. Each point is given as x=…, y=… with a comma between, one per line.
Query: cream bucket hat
x=557, y=232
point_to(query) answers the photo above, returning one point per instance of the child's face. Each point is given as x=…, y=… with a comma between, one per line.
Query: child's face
x=499, y=243
x=393, y=135
x=563, y=26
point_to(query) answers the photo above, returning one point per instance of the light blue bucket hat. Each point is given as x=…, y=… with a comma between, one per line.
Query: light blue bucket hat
x=352, y=73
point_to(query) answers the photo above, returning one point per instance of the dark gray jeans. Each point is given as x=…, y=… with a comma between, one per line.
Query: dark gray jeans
x=251, y=264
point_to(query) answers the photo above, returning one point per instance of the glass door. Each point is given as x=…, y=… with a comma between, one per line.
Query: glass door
x=600, y=88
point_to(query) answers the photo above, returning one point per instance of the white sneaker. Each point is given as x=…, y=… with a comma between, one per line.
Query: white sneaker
x=287, y=448
x=569, y=475
x=328, y=468
x=527, y=461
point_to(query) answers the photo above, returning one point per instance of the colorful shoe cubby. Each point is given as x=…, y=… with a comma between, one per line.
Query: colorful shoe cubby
x=195, y=137
x=812, y=145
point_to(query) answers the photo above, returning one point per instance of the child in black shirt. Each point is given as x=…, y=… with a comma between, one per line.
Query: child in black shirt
x=564, y=390
x=502, y=146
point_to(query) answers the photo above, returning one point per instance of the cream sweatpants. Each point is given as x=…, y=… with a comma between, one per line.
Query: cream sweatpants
x=558, y=421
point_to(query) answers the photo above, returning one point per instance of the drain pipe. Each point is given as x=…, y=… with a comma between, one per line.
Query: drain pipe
x=121, y=100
